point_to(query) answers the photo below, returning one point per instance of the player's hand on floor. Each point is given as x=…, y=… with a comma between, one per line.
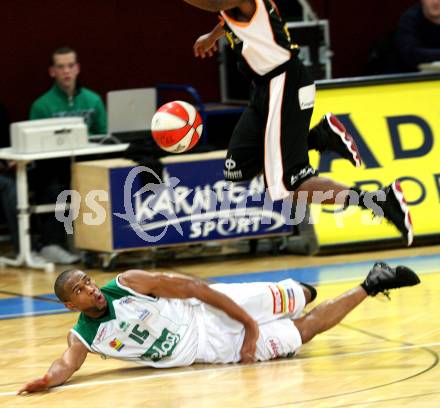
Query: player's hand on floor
x=39, y=384
x=205, y=46
x=249, y=347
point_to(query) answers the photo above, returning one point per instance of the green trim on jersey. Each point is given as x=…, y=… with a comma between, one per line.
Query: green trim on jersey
x=87, y=327
x=114, y=290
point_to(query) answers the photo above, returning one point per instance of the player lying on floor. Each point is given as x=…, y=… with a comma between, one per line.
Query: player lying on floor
x=163, y=320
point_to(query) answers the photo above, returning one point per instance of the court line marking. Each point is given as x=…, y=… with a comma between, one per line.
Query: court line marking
x=322, y=280
x=227, y=368
x=348, y=279
x=376, y=387
x=381, y=401
x=45, y=297
x=62, y=311
x=34, y=314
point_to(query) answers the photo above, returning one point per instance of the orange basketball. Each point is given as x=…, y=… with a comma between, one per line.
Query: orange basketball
x=176, y=126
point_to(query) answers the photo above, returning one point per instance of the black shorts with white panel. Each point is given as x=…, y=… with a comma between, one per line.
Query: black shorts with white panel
x=272, y=133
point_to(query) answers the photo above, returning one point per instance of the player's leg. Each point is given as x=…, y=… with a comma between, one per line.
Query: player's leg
x=268, y=301
x=271, y=304
x=283, y=337
x=331, y=135
x=388, y=202
x=326, y=315
x=290, y=108
x=287, y=167
x=329, y=313
x=244, y=159
x=288, y=120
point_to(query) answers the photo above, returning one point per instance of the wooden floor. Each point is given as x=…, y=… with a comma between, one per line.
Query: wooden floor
x=385, y=354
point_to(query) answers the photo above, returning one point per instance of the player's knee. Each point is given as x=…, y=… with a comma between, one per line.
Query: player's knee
x=306, y=327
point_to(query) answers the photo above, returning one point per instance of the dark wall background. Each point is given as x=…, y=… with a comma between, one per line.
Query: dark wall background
x=354, y=26
x=121, y=44
x=137, y=43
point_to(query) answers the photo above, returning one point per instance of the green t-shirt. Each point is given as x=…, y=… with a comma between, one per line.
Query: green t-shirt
x=57, y=104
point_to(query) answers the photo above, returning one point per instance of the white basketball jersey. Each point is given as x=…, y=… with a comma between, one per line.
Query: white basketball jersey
x=155, y=332
x=161, y=332
x=263, y=42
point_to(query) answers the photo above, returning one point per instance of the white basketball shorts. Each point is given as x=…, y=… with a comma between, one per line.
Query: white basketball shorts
x=271, y=304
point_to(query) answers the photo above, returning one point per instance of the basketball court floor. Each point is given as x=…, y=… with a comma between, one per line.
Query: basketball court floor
x=384, y=354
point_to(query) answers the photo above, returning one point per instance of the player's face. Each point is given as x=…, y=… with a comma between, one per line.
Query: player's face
x=431, y=8
x=84, y=294
x=65, y=70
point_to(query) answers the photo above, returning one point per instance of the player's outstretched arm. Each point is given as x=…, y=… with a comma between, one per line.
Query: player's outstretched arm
x=184, y=287
x=60, y=370
x=215, y=5
x=206, y=44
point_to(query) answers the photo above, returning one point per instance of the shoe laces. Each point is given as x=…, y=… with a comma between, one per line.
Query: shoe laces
x=386, y=293
x=385, y=296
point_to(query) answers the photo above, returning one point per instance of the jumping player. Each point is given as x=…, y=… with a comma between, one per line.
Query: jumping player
x=273, y=132
x=163, y=320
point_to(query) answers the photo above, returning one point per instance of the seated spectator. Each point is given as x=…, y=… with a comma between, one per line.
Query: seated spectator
x=65, y=98
x=418, y=35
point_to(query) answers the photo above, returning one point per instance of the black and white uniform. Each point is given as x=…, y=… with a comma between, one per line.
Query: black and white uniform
x=272, y=133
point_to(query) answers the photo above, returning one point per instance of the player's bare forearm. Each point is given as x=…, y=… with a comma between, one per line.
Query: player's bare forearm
x=215, y=5
x=60, y=370
x=171, y=285
x=217, y=32
x=58, y=373
x=206, y=44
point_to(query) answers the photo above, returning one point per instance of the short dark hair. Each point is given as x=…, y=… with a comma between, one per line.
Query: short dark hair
x=60, y=51
x=61, y=280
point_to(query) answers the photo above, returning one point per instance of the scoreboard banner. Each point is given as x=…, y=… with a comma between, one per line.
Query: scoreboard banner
x=397, y=128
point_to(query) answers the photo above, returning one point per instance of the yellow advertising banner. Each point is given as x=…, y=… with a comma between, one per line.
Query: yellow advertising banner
x=397, y=130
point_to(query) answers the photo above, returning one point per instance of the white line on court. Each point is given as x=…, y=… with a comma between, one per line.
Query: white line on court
x=226, y=368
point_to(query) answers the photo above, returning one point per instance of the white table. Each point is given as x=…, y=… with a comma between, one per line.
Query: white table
x=430, y=67
x=24, y=257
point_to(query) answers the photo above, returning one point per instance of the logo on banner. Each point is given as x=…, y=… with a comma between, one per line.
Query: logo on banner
x=155, y=189
x=223, y=208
